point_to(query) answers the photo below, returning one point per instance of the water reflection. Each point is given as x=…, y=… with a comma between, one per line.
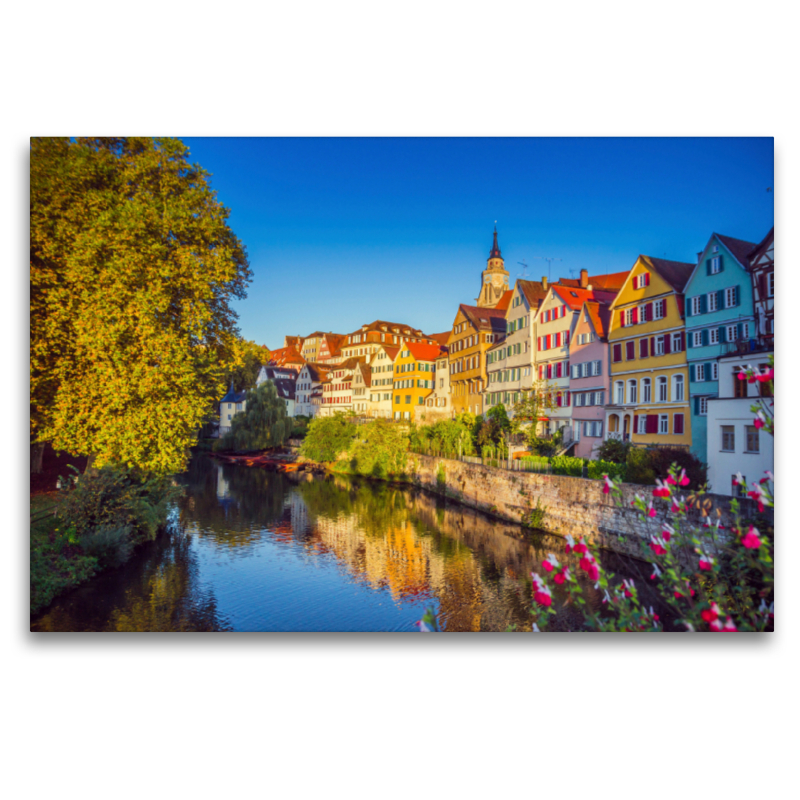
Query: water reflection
x=256, y=550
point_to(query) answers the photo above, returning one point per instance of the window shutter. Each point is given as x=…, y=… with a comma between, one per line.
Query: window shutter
x=622, y=319
x=721, y=298
x=696, y=406
x=677, y=422
x=689, y=307
x=651, y=425
x=635, y=316
x=703, y=304
x=762, y=285
x=558, y=399
x=567, y=399
x=558, y=370
x=722, y=334
x=691, y=341
x=635, y=423
x=539, y=343
x=652, y=345
x=566, y=337
x=630, y=350
x=739, y=331
x=708, y=266
x=643, y=348
x=692, y=373
x=704, y=337
x=737, y=293
x=647, y=279
x=667, y=341
x=617, y=352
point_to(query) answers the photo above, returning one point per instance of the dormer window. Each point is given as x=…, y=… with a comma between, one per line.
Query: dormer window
x=715, y=249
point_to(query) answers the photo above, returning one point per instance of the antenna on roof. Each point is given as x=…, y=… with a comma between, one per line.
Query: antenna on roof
x=549, y=264
x=572, y=273
x=524, y=272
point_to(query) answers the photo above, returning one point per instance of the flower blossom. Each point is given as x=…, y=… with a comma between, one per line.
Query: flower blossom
x=580, y=547
x=550, y=563
x=668, y=532
x=760, y=420
x=729, y=626
x=608, y=485
x=562, y=576
x=750, y=539
x=662, y=489
x=705, y=562
x=570, y=544
x=541, y=593
x=657, y=546
x=710, y=614
x=589, y=566
x=742, y=376
x=683, y=480
x=656, y=572
x=763, y=377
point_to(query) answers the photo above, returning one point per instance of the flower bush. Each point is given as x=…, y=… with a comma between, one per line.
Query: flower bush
x=707, y=577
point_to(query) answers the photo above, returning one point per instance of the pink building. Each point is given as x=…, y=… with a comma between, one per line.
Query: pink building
x=589, y=375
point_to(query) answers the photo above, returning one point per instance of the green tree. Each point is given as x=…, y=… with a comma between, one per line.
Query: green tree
x=327, y=437
x=133, y=270
x=498, y=414
x=532, y=406
x=263, y=423
x=249, y=357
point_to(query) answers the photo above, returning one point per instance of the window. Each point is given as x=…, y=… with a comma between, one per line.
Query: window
x=620, y=388
x=677, y=388
x=716, y=264
x=728, y=439
x=771, y=284
x=745, y=330
x=713, y=335
x=663, y=423
x=659, y=345
x=730, y=297
x=676, y=343
x=646, y=390
x=700, y=372
x=738, y=489
x=730, y=333
x=751, y=439
x=642, y=424
x=662, y=389
x=659, y=309
x=632, y=390
x=617, y=352
x=711, y=301
x=629, y=316
x=702, y=406
x=630, y=348
x=714, y=371
x=695, y=304
x=739, y=387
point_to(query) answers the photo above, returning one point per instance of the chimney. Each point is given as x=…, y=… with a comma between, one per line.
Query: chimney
x=544, y=282
x=584, y=278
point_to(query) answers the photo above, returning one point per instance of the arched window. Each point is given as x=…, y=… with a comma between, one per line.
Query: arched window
x=662, y=390
x=646, y=390
x=620, y=393
x=677, y=387
x=632, y=390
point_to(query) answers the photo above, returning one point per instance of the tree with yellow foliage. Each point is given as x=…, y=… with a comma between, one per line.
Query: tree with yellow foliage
x=133, y=271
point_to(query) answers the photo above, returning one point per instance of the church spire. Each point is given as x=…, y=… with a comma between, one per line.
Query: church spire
x=495, y=247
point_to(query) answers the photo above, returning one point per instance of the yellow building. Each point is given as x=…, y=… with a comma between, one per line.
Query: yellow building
x=475, y=330
x=649, y=393
x=414, y=378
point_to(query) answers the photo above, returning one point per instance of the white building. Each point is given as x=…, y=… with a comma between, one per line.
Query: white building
x=382, y=369
x=232, y=404
x=309, y=380
x=734, y=444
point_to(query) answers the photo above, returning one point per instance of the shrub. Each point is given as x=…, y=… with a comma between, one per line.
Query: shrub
x=116, y=497
x=111, y=546
x=639, y=468
x=661, y=458
x=536, y=464
x=536, y=518
x=327, y=437
x=567, y=465
x=379, y=449
x=617, y=472
x=613, y=450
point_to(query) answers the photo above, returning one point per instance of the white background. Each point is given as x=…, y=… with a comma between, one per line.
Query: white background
x=403, y=716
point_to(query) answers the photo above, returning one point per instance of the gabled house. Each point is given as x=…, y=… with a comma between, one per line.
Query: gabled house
x=381, y=381
x=232, y=403
x=308, y=381
x=362, y=379
x=414, y=378
x=438, y=404
x=589, y=375
x=649, y=396
x=474, y=331
x=287, y=357
x=329, y=349
x=762, y=266
x=719, y=320
x=366, y=340
x=312, y=345
x=337, y=393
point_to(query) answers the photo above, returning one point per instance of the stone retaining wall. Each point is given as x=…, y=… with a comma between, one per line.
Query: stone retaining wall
x=573, y=505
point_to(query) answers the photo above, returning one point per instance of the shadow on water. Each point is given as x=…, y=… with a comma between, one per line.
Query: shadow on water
x=258, y=550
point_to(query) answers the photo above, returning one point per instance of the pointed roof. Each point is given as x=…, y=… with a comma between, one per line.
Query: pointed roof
x=600, y=316
x=318, y=371
x=611, y=281
x=495, y=253
x=534, y=292
x=739, y=249
x=391, y=350
x=441, y=338
x=366, y=373
x=762, y=246
x=675, y=273
x=504, y=302
x=485, y=319
x=423, y=352
x=233, y=397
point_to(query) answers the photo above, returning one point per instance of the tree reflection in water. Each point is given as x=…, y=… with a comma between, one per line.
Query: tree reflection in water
x=257, y=550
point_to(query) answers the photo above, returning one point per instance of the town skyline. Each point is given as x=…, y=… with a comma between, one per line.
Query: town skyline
x=359, y=227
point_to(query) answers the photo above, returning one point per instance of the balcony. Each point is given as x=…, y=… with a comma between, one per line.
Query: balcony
x=744, y=347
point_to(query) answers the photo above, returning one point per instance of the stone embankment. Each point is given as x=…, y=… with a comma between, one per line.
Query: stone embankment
x=573, y=505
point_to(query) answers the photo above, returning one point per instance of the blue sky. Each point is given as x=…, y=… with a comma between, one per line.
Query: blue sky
x=344, y=231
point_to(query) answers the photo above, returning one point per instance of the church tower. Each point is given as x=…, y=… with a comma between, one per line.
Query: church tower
x=494, y=279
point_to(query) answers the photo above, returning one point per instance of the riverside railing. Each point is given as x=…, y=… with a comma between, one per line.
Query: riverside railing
x=512, y=464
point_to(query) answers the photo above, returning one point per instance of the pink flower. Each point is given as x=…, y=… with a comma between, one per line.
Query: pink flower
x=657, y=546
x=589, y=566
x=550, y=563
x=750, y=539
x=656, y=572
x=759, y=420
x=683, y=480
x=543, y=598
x=662, y=489
x=715, y=626
x=710, y=614
x=667, y=533
x=651, y=512
x=570, y=544
x=729, y=626
x=562, y=576
x=580, y=547
x=763, y=377
x=742, y=376
x=706, y=562
x=671, y=481
x=607, y=484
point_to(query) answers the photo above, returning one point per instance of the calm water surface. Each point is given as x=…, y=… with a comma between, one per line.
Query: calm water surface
x=251, y=550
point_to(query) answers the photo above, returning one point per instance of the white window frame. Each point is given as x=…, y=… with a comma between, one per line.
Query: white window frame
x=619, y=392
x=711, y=301
x=730, y=333
x=676, y=343
x=730, y=297
x=663, y=424
x=658, y=309
x=678, y=381
x=647, y=390
x=632, y=391
x=716, y=265
x=771, y=284
x=662, y=388
x=703, y=407
x=660, y=345
x=695, y=305
x=713, y=335
x=714, y=371
x=642, y=424
x=699, y=373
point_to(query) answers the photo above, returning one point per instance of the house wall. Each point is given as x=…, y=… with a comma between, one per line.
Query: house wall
x=408, y=401
x=580, y=354
x=554, y=356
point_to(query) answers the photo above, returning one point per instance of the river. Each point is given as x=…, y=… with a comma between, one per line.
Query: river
x=252, y=550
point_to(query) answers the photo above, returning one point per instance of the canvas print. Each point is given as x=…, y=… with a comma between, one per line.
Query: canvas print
x=420, y=385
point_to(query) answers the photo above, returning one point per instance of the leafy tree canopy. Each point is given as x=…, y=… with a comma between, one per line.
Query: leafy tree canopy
x=261, y=425
x=248, y=360
x=133, y=271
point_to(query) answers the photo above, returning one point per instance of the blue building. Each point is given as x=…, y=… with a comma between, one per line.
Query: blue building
x=719, y=321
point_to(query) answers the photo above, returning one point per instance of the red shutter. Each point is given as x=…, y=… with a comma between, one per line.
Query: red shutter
x=630, y=351
x=678, y=423
x=617, y=353
x=667, y=342
x=635, y=316
x=549, y=371
x=643, y=348
x=652, y=345
x=622, y=319
x=558, y=370
x=646, y=278
x=649, y=312
x=683, y=341
x=558, y=399
x=541, y=371
x=635, y=424
x=557, y=340
x=568, y=399
x=651, y=426
x=566, y=337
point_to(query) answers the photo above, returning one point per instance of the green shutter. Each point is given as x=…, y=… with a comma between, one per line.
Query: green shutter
x=708, y=266
x=703, y=304
x=692, y=373
x=705, y=337
x=738, y=293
